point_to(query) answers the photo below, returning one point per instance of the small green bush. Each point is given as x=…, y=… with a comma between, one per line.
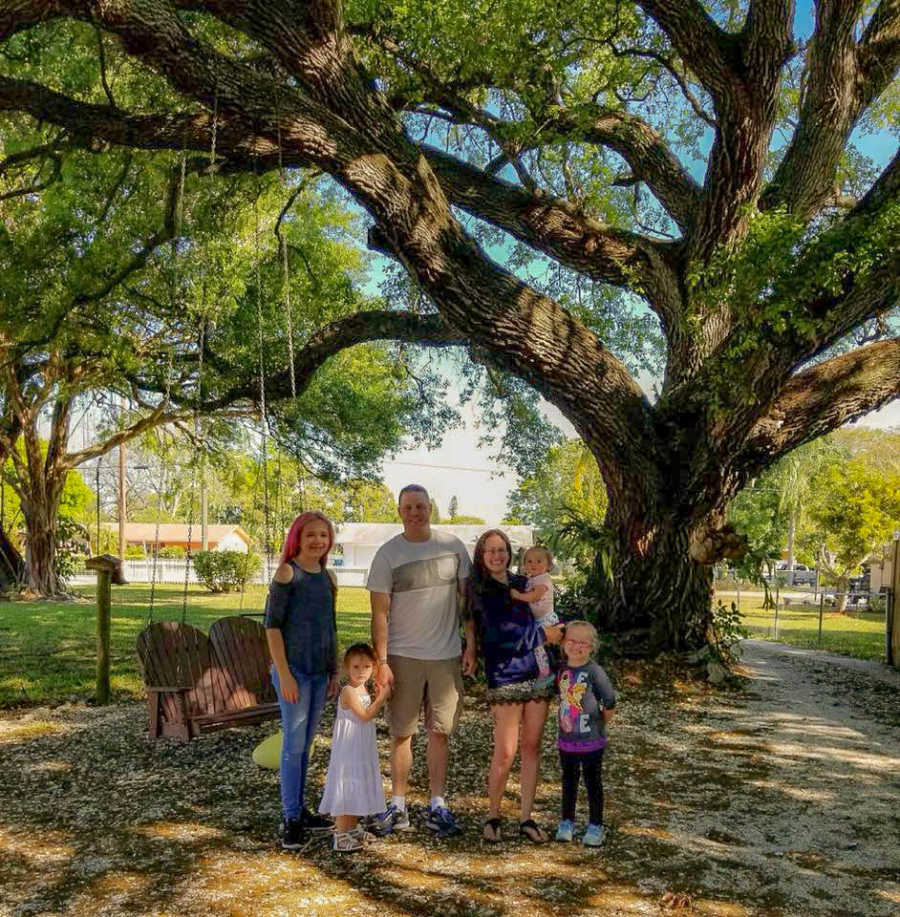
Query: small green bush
x=172, y=551
x=71, y=540
x=225, y=571
x=134, y=550
x=727, y=632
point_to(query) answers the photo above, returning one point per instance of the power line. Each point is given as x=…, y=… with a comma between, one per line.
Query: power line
x=447, y=467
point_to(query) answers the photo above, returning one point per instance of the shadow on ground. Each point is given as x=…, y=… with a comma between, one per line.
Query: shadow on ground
x=777, y=798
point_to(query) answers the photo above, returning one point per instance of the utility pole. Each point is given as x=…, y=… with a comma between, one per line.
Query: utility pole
x=893, y=647
x=122, y=509
x=97, y=485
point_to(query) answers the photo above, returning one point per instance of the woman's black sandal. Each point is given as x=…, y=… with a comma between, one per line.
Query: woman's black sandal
x=531, y=830
x=492, y=824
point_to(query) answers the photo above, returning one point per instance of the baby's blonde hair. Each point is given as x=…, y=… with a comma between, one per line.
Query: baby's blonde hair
x=539, y=549
x=586, y=625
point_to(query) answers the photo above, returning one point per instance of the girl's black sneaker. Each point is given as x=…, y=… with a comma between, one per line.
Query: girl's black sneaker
x=293, y=834
x=314, y=823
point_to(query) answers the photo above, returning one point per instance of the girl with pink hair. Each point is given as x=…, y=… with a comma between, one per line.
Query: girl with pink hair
x=301, y=629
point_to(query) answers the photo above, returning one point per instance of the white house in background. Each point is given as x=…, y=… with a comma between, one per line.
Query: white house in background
x=175, y=535
x=881, y=565
x=360, y=540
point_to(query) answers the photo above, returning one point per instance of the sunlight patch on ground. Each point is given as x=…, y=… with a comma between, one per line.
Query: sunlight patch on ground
x=114, y=892
x=48, y=767
x=275, y=884
x=804, y=793
x=889, y=895
x=41, y=849
x=645, y=831
x=14, y=731
x=180, y=831
x=860, y=759
x=621, y=899
x=718, y=908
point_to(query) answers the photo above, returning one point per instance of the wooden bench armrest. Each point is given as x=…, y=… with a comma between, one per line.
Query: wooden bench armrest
x=169, y=689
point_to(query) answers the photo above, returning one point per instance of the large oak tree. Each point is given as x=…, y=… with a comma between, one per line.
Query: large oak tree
x=753, y=273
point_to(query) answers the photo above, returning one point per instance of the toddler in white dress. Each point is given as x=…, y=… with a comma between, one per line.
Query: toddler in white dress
x=539, y=595
x=353, y=787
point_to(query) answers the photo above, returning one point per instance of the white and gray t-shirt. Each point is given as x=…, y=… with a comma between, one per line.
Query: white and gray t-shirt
x=421, y=578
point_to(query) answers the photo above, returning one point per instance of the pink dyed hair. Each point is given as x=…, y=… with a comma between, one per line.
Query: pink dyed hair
x=292, y=542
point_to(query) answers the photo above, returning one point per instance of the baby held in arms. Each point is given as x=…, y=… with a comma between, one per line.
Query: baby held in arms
x=539, y=595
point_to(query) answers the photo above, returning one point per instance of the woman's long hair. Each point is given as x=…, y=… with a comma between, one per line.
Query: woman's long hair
x=481, y=573
x=292, y=542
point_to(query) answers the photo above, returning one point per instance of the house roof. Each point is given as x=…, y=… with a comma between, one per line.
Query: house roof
x=177, y=531
x=376, y=533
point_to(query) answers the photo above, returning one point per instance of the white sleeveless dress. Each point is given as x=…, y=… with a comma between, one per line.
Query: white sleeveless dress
x=353, y=783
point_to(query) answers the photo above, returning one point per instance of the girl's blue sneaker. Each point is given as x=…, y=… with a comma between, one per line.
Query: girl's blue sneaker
x=593, y=837
x=566, y=831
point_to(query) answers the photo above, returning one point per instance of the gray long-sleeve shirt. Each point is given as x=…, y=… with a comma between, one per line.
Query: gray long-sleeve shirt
x=584, y=693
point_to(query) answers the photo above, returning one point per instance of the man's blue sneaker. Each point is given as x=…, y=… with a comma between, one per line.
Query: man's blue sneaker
x=566, y=831
x=593, y=836
x=442, y=822
x=391, y=819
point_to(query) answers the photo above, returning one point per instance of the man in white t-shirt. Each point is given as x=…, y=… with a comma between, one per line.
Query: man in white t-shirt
x=417, y=584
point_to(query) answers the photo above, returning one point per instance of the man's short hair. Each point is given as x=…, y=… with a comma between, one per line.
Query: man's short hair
x=410, y=488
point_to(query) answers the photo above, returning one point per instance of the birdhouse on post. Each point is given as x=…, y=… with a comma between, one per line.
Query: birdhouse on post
x=109, y=572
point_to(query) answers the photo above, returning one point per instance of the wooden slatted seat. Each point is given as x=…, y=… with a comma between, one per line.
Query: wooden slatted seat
x=197, y=683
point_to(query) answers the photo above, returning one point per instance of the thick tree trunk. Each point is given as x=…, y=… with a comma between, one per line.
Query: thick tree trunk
x=40, y=552
x=12, y=566
x=40, y=509
x=660, y=598
x=842, y=588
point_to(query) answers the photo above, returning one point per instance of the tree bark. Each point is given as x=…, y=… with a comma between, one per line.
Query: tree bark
x=660, y=598
x=40, y=512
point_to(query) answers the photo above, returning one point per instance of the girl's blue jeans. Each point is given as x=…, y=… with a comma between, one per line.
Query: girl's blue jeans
x=299, y=723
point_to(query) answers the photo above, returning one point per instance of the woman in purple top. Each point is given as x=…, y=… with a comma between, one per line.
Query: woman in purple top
x=508, y=634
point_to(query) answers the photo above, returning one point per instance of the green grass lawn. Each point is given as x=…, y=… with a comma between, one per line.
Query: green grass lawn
x=48, y=649
x=859, y=634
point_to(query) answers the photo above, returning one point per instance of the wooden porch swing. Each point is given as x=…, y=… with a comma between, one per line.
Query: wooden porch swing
x=198, y=683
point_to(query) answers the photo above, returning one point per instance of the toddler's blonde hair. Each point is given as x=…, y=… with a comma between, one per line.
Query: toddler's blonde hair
x=539, y=549
x=585, y=625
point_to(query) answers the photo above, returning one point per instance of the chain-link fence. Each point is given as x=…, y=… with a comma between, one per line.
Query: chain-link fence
x=855, y=622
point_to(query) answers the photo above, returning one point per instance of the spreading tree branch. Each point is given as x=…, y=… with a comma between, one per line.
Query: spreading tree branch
x=842, y=79
x=560, y=230
x=821, y=399
x=329, y=340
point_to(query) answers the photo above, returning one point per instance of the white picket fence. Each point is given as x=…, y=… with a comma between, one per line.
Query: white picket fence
x=172, y=569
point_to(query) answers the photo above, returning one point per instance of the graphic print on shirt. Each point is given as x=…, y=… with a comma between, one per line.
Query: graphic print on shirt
x=571, y=695
x=426, y=573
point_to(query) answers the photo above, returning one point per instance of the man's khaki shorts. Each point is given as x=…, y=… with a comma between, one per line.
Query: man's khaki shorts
x=436, y=682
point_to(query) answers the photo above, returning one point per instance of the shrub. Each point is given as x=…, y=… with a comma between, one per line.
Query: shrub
x=71, y=539
x=135, y=551
x=727, y=632
x=173, y=550
x=224, y=571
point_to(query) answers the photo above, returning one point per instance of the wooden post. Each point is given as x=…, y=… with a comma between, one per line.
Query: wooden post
x=123, y=511
x=109, y=571
x=821, y=615
x=104, y=600
x=895, y=602
x=775, y=635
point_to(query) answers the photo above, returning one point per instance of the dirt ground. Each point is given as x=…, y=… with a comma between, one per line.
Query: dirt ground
x=778, y=796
